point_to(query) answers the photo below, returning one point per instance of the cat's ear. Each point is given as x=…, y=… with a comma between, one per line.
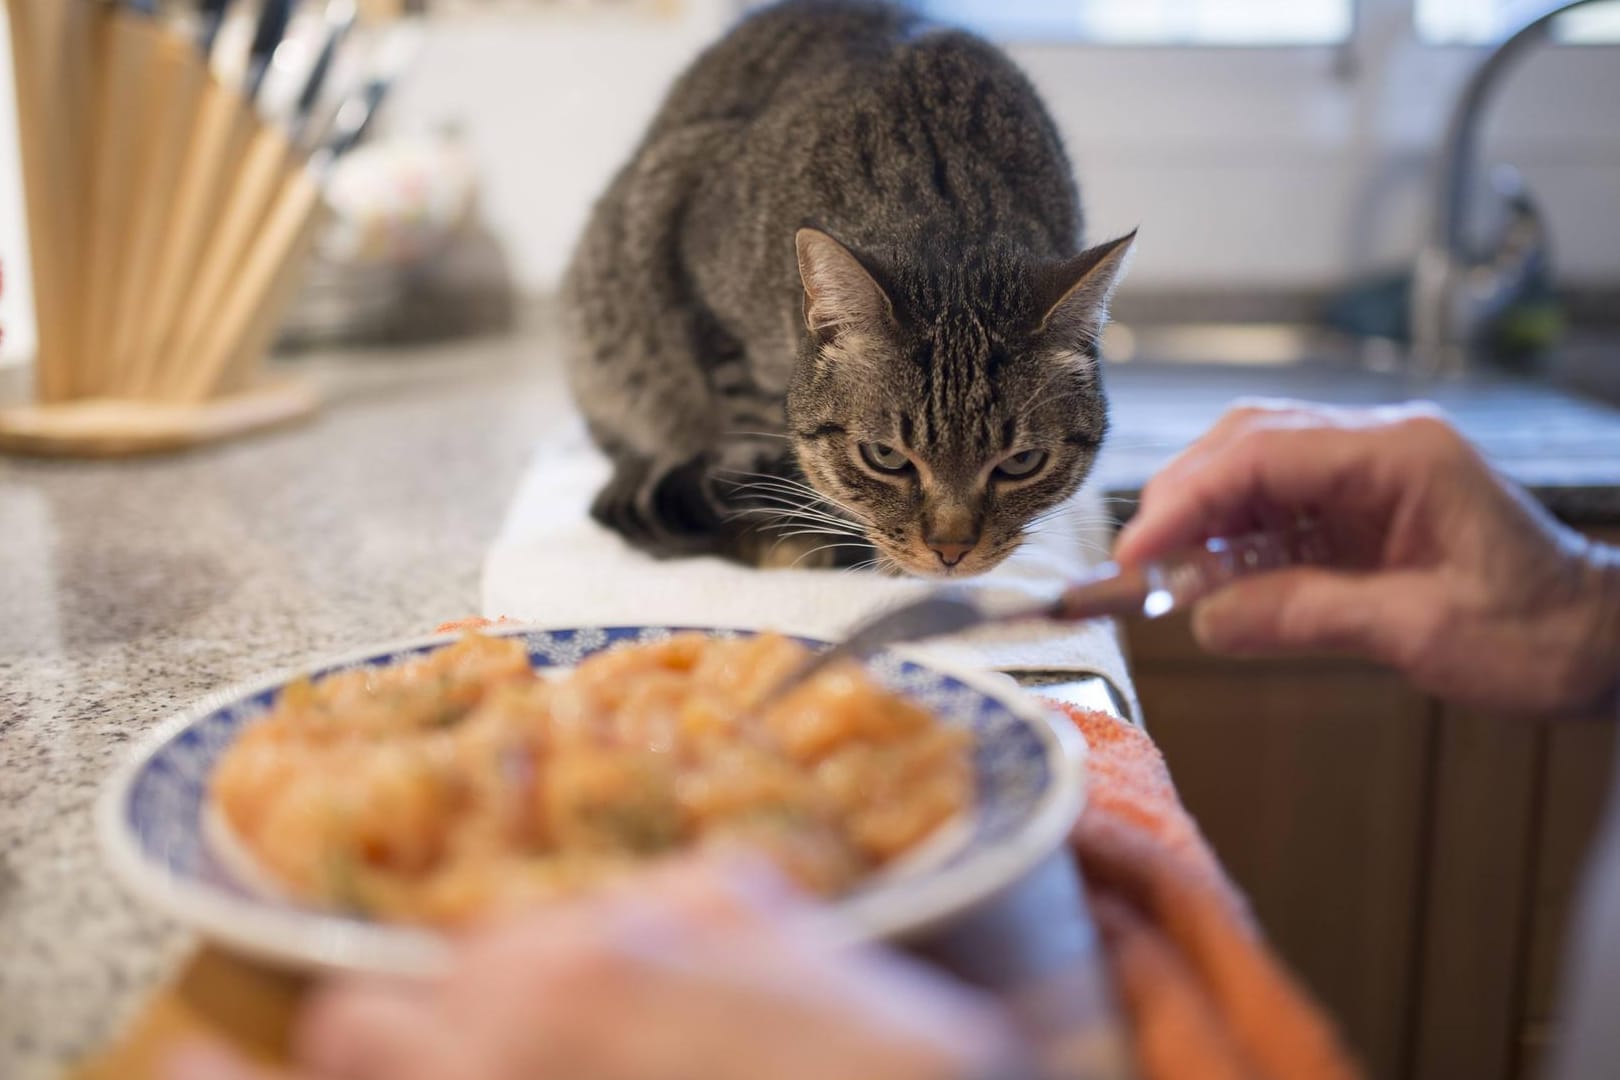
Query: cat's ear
x=839, y=293
x=1077, y=292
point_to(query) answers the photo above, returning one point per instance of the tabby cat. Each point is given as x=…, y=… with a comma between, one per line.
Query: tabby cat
x=834, y=308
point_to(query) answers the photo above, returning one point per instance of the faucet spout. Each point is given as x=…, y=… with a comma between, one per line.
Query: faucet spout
x=1454, y=290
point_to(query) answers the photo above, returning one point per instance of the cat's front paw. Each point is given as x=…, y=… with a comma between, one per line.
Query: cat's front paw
x=664, y=512
x=620, y=505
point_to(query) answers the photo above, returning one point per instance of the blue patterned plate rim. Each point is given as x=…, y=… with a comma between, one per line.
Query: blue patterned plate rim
x=301, y=938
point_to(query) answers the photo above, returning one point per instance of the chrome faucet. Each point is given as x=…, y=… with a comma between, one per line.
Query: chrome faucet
x=1458, y=287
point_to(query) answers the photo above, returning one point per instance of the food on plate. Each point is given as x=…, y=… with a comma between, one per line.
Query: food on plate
x=463, y=782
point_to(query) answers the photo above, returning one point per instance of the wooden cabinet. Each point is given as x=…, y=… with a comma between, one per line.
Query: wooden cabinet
x=1310, y=781
x=1577, y=761
x=1413, y=862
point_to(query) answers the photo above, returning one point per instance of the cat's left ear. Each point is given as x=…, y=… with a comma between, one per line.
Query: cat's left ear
x=1078, y=291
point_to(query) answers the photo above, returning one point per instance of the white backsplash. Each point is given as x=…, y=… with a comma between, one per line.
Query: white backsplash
x=16, y=300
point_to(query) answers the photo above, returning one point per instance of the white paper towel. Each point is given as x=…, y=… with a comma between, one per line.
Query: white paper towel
x=552, y=564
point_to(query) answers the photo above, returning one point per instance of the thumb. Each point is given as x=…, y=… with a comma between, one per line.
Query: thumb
x=1306, y=608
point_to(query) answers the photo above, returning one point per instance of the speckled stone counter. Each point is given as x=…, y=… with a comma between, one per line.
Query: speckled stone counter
x=127, y=589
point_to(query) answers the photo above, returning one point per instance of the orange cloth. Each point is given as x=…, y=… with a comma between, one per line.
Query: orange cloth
x=1205, y=996
x=476, y=622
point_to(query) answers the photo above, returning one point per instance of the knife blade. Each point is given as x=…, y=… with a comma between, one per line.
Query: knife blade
x=348, y=125
x=267, y=37
x=210, y=17
x=232, y=41
x=340, y=16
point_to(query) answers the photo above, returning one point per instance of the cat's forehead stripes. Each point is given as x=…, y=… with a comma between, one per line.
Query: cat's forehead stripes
x=959, y=395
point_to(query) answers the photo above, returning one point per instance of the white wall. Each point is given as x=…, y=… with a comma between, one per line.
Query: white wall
x=1245, y=167
x=551, y=105
x=16, y=300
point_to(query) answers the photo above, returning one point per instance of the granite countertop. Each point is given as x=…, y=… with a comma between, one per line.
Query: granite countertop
x=132, y=588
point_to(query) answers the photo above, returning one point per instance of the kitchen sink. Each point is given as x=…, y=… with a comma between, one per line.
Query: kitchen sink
x=1586, y=363
x=1169, y=384
x=1248, y=345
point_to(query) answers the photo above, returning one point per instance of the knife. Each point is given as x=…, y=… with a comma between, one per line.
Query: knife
x=267, y=37
x=210, y=16
x=232, y=42
x=1154, y=589
x=339, y=18
x=349, y=124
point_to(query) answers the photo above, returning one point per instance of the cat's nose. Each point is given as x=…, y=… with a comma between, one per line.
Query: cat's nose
x=950, y=553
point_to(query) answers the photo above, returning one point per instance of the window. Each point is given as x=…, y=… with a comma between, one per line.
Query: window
x=1154, y=22
x=1257, y=22
x=1472, y=22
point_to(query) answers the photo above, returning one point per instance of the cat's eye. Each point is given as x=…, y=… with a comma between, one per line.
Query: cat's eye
x=1020, y=465
x=885, y=458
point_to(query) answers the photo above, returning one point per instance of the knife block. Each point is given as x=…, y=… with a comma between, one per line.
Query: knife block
x=168, y=226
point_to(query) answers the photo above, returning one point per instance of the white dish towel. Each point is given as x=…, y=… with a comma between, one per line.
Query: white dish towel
x=552, y=564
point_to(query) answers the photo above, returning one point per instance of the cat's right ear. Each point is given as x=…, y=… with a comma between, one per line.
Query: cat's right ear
x=839, y=293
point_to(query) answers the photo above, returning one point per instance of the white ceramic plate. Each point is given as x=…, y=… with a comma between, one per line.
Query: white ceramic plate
x=159, y=838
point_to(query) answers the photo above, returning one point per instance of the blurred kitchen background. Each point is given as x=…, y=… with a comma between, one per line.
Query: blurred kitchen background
x=1275, y=152
x=1283, y=159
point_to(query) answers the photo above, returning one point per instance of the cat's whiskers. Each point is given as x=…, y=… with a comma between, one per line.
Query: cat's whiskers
x=788, y=527
x=785, y=485
x=760, y=434
x=1078, y=513
x=798, y=498
x=1072, y=524
x=1080, y=525
x=1037, y=400
x=1146, y=444
x=796, y=515
x=785, y=501
x=810, y=499
x=812, y=530
x=801, y=502
x=815, y=550
x=798, y=495
x=883, y=563
x=1084, y=543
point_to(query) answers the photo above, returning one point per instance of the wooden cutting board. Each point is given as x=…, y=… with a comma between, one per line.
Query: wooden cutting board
x=215, y=996
x=116, y=427
x=1033, y=947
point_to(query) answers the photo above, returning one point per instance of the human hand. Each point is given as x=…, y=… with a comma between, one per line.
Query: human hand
x=1440, y=567
x=685, y=974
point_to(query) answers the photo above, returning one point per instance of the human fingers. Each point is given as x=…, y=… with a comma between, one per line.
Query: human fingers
x=1382, y=616
x=1166, y=486
x=721, y=889
x=1340, y=466
x=211, y=1061
x=375, y=1031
